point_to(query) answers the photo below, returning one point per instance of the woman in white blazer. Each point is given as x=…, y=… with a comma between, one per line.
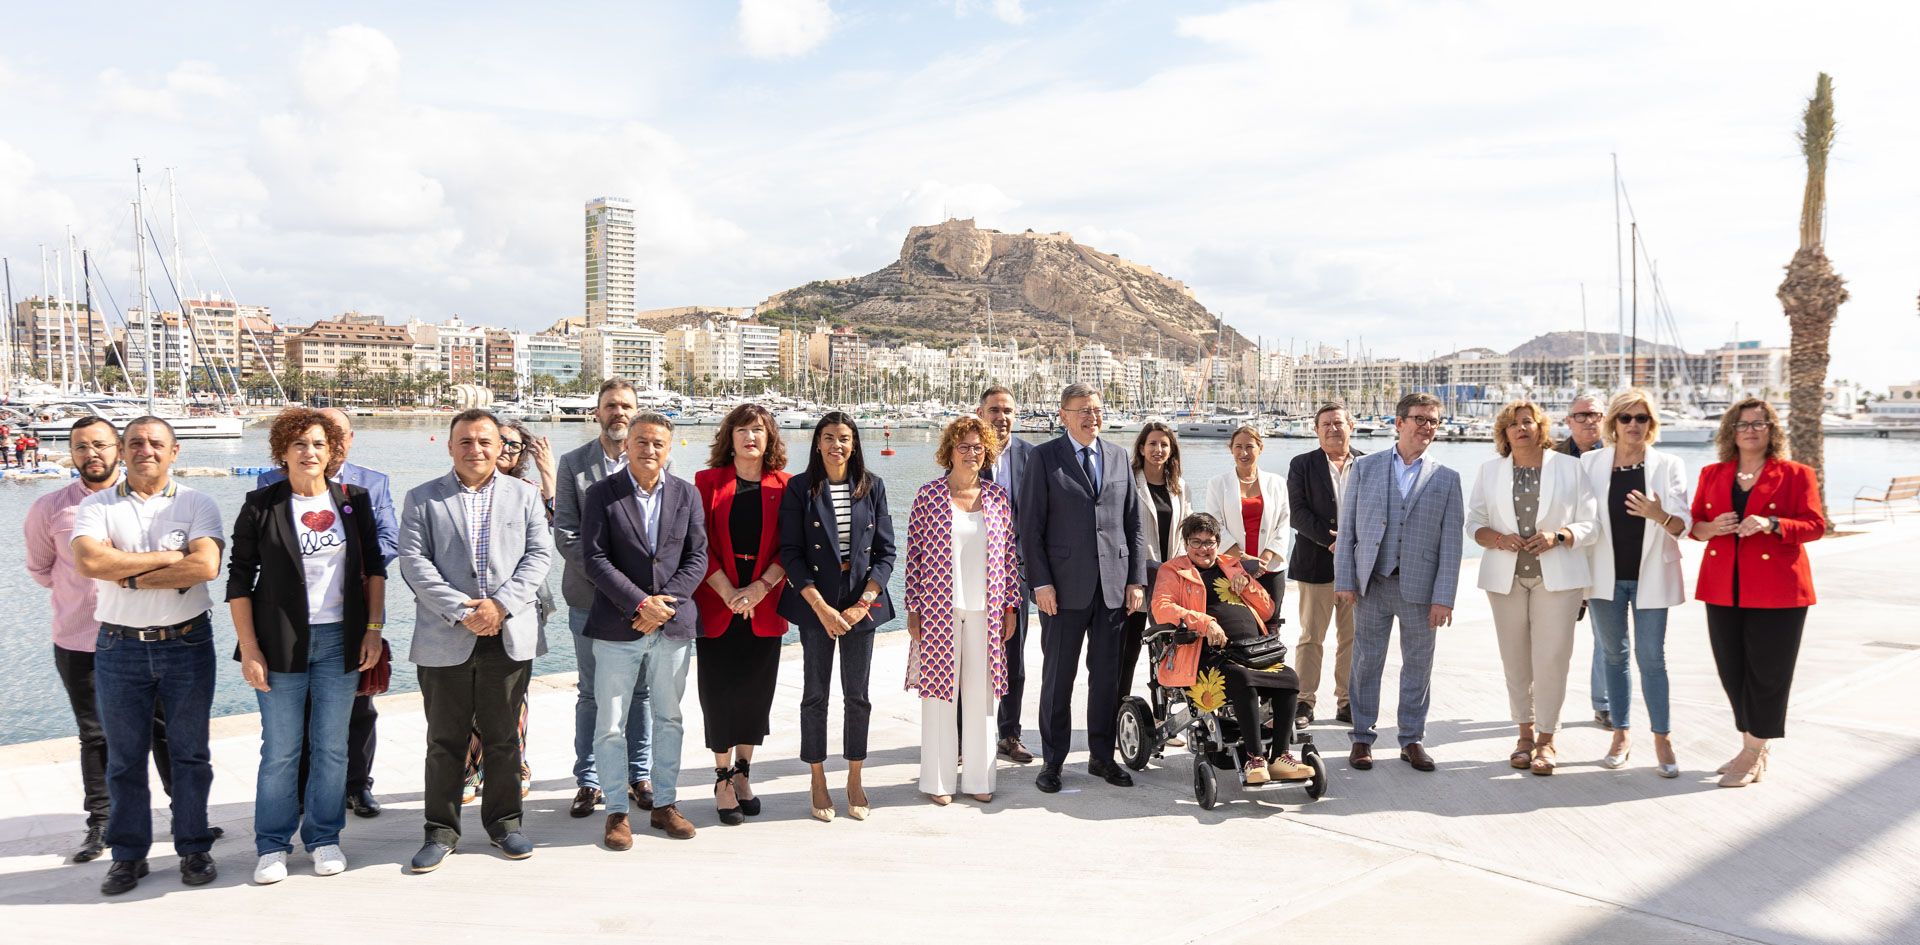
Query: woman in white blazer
x=1533, y=511
x=1252, y=507
x=1164, y=504
x=1642, y=494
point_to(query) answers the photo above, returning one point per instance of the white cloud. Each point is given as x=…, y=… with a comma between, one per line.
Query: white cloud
x=783, y=29
x=348, y=63
x=1011, y=12
x=189, y=80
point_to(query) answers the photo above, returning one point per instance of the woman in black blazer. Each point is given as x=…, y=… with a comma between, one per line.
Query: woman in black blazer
x=836, y=543
x=306, y=585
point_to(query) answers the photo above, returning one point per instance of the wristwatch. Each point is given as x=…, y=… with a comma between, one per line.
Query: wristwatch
x=869, y=597
x=1773, y=524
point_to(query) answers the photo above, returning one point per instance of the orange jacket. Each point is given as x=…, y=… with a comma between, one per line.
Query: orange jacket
x=1179, y=595
x=1773, y=568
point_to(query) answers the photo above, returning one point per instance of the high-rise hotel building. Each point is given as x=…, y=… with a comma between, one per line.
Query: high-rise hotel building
x=609, y=259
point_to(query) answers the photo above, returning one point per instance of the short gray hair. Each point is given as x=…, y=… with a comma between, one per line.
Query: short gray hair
x=1077, y=391
x=653, y=418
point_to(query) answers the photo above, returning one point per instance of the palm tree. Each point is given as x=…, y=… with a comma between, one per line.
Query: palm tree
x=1812, y=292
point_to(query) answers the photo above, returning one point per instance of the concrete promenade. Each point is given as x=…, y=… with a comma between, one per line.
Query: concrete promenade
x=1825, y=850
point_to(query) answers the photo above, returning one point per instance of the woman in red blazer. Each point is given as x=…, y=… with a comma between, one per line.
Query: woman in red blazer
x=1755, y=509
x=740, y=628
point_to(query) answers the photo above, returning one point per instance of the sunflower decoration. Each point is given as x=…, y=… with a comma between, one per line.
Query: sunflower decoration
x=1223, y=589
x=1208, y=694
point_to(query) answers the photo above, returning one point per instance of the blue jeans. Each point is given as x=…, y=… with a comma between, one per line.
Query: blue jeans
x=286, y=728
x=1649, y=651
x=1597, y=682
x=130, y=680
x=1374, y=617
x=658, y=665
x=586, y=715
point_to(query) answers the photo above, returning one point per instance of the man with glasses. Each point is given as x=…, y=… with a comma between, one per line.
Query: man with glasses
x=1315, y=480
x=1398, y=560
x=1086, y=557
x=1583, y=436
x=361, y=737
x=580, y=468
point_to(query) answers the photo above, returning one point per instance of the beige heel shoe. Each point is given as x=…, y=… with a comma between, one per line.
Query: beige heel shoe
x=858, y=812
x=824, y=814
x=1739, y=776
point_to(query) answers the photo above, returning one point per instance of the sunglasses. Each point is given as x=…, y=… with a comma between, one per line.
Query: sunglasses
x=1633, y=418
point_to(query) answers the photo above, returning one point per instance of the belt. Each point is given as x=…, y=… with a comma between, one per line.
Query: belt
x=846, y=566
x=151, y=634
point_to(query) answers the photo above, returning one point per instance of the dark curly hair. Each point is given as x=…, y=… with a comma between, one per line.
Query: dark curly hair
x=293, y=423
x=775, y=456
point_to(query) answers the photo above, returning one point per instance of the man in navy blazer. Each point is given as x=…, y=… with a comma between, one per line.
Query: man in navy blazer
x=1086, y=558
x=643, y=544
x=998, y=410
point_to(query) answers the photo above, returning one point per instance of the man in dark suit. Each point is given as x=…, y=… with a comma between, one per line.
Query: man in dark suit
x=998, y=410
x=1086, y=559
x=1314, y=481
x=603, y=456
x=644, y=544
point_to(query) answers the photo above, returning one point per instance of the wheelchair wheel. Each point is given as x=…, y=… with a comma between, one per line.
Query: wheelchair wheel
x=1135, y=734
x=1317, y=787
x=1206, y=789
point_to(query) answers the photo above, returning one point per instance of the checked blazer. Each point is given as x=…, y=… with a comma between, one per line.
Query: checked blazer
x=1429, y=532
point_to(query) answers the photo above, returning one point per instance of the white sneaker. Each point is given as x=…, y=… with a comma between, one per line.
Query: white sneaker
x=271, y=869
x=328, y=860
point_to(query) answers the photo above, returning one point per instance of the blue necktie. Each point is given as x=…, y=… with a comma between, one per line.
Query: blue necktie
x=1086, y=463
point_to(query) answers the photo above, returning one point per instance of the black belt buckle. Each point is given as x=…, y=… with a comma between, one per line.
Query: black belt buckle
x=157, y=634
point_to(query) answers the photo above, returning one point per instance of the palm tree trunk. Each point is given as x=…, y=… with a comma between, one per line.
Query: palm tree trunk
x=1811, y=295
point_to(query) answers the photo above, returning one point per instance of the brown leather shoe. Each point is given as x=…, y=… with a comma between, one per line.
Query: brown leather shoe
x=1361, y=757
x=668, y=819
x=584, y=801
x=619, y=834
x=1015, y=752
x=641, y=793
x=1417, y=757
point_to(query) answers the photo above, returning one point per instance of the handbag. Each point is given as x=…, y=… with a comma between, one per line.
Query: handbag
x=374, y=682
x=1262, y=652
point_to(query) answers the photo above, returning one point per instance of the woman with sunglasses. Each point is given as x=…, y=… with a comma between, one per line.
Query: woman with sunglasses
x=1756, y=510
x=1636, y=566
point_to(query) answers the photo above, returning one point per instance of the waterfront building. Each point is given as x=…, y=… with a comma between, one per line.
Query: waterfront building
x=610, y=260
x=554, y=356
x=324, y=346
x=635, y=353
x=44, y=329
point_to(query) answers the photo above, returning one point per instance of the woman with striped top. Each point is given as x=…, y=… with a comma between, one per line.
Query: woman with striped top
x=836, y=544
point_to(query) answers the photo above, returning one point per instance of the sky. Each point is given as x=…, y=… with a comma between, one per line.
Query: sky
x=1412, y=177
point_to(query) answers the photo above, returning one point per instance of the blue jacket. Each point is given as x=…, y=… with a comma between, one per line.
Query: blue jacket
x=1074, y=540
x=810, y=551
x=1429, y=540
x=626, y=569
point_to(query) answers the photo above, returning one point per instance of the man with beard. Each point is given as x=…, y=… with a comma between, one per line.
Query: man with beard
x=49, y=536
x=580, y=468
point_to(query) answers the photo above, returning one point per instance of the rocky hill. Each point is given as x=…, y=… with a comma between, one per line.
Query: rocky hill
x=1044, y=289
x=1567, y=344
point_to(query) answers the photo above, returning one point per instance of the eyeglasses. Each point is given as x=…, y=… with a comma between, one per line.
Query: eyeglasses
x=1199, y=544
x=99, y=447
x=971, y=449
x=1424, y=423
x=1087, y=411
x=1633, y=418
x=1584, y=416
x=511, y=446
x=1752, y=426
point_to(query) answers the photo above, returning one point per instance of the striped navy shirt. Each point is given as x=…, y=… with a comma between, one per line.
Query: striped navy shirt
x=841, y=493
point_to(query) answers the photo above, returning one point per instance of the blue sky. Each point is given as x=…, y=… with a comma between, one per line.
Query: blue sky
x=1420, y=175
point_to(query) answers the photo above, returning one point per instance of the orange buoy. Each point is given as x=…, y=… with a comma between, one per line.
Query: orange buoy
x=887, y=434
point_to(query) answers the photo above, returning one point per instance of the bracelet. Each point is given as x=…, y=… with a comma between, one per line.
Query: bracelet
x=376, y=625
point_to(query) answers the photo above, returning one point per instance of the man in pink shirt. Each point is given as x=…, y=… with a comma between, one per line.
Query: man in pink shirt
x=49, y=534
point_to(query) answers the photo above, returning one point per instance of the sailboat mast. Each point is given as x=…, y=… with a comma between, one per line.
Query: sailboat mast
x=46, y=297
x=73, y=305
x=1619, y=279
x=179, y=282
x=1633, y=363
x=6, y=335
x=140, y=274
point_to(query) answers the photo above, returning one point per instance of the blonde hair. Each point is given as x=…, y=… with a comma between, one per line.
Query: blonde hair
x=1723, y=439
x=1610, y=424
x=1509, y=415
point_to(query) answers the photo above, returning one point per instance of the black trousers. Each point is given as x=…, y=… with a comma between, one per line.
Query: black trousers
x=856, y=668
x=1016, y=650
x=482, y=694
x=1246, y=701
x=1275, y=583
x=1755, y=649
x=76, y=676
x=1132, y=633
x=1097, y=629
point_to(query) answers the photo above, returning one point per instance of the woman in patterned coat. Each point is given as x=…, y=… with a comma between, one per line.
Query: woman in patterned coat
x=963, y=597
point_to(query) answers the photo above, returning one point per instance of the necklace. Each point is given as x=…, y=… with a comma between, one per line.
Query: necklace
x=1248, y=482
x=1744, y=476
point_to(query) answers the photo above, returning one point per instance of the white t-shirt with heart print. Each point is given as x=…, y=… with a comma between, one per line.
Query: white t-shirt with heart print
x=323, y=556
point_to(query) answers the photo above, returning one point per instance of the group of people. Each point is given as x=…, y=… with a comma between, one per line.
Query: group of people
x=22, y=449
x=1103, y=543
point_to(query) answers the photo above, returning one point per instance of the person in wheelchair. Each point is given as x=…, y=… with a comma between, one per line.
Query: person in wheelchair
x=1213, y=595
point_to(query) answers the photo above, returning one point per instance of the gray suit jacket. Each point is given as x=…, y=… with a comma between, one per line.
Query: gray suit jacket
x=1071, y=538
x=436, y=560
x=1430, y=543
x=578, y=470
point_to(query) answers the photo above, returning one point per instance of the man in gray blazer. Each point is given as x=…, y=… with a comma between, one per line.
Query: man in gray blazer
x=998, y=410
x=1398, y=557
x=474, y=547
x=1086, y=557
x=596, y=459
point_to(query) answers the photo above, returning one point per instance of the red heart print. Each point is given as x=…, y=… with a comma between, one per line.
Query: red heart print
x=318, y=521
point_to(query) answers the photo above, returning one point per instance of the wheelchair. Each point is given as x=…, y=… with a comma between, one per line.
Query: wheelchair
x=1200, y=713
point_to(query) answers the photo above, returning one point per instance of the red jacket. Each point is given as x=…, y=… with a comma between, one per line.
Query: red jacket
x=1773, y=568
x=716, y=501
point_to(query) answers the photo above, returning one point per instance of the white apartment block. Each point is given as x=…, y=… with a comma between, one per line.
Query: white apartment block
x=637, y=354
x=610, y=260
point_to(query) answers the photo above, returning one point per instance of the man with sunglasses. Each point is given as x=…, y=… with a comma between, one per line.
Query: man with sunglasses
x=361, y=737
x=1583, y=437
x=1398, y=560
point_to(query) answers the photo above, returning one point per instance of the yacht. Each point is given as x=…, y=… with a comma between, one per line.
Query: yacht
x=54, y=420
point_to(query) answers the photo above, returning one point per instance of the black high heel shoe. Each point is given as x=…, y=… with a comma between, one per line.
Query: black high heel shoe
x=730, y=816
x=749, y=806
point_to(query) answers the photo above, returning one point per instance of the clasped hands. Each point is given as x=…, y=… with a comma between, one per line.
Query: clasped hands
x=654, y=612
x=484, y=617
x=838, y=622
x=1536, y=544
x=1730, y=523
